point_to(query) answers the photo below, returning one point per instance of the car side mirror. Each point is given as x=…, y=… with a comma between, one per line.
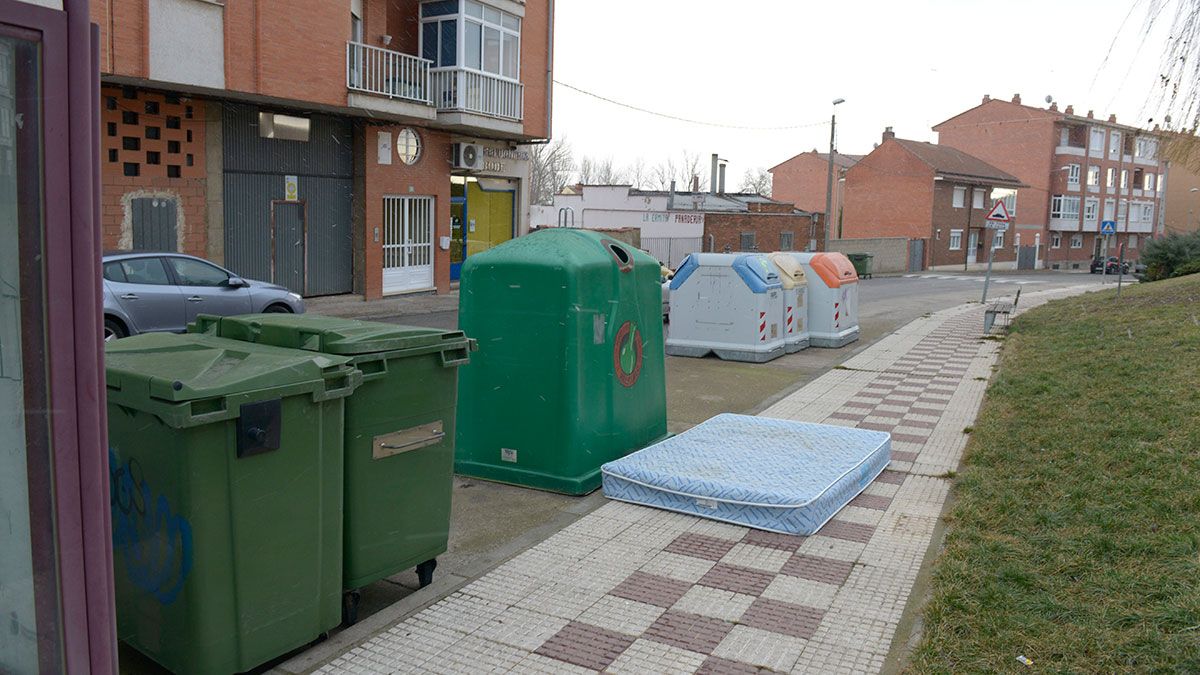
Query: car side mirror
x=236, y=282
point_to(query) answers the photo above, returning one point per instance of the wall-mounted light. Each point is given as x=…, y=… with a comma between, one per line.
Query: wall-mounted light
x=386, y=39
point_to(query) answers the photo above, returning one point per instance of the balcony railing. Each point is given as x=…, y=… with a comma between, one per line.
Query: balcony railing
x=387, y=73
x=475, y=92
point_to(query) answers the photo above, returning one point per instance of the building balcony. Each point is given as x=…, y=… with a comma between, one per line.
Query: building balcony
x=1064, y=224
x=460, y=94
x=388, y=81
x=1075, y=151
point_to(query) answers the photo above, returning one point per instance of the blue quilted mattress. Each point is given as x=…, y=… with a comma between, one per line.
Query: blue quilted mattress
x=769, y=474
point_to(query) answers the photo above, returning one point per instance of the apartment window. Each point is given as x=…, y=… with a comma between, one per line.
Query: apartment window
x=1124, y=178
x=1055, y=240
x=1097, y=144
x=1133, y=241
x=1073, y=175
x=960, y=197
x=1122, y=209
x=1009, y=197
x=1062, y=206
x=1110, y=209
x=1016, y=240
x=1094, y=176
x=492, y=40
x=1148, y=185
x=1147, y=148
x=747, y=242
x=955, y=240
x=1147, y=213
x=1111, y=179
x=1077, y=241
x=786, y=241
x=998, y=240
x=1114, y=145
x=977, y=195
x=1091, y=209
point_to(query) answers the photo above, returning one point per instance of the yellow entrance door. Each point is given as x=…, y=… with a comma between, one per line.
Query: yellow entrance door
x=490, y=217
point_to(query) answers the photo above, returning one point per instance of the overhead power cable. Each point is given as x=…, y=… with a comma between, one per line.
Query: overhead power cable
x=687, y=120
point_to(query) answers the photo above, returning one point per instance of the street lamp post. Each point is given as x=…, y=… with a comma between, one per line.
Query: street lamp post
x=829, y=177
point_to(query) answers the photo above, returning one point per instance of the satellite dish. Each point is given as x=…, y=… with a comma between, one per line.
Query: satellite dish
x=1049, y=98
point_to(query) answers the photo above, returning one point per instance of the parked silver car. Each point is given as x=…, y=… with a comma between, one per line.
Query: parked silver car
x=155, y=292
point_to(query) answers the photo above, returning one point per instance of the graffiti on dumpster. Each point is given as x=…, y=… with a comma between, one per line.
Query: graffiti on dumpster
x=627, y=354
x=155, y=542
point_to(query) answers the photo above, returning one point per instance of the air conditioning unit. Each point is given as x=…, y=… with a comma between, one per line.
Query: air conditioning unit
x=468, y=156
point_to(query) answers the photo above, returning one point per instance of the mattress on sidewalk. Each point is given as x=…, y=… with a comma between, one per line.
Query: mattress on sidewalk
x=769, y=474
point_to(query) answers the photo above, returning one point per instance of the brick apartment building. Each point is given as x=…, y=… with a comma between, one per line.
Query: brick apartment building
x=673, y=224
x=803, y=179
x=1080, y=171
x=363, y=146
x=1181, y=201
x=935, y=196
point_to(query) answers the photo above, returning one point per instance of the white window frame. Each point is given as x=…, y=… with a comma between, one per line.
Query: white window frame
x=1133, y=241
x=978, y=198
x=1145, y=147
x=1077, y=241
x=1096, y=147
x=465, y=15
x=1009, y=197
x=1122, y=210
x=1110, y=178
x=998, y=240
x=1064, y=207
x=1114, y=145
x=1072, y=174
x=959, y=199
x=1017, y=240
x=1091, y=209
x=1124, y=179
x=1110, y=209
x=1055, y=240
x=1147, y=213
x=1148, y=182
x=956, y=240
x=1093, y=176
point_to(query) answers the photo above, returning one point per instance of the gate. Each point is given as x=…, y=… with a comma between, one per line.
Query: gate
x=289, y=244
x=407, y=244
x=916, y=255
x=154, y=224
x=1026, y=256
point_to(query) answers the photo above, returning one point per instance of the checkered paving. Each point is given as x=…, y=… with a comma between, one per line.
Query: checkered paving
x=635, y=589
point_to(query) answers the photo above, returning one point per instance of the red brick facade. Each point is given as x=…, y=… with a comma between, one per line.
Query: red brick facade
x=152, y=146
x=725, y=230
x=802, y=180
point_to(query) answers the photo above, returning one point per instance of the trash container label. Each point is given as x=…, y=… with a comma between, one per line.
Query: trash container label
x=627, y=354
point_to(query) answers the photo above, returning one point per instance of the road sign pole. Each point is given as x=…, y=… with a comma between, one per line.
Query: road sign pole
x=1104, y=262
x=1120, y=268
x=988, y=277
x=997, y=219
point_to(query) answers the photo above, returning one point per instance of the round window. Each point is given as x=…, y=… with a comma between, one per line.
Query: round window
x=408, y=146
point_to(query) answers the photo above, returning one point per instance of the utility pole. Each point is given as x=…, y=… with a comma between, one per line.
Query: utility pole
x=829, y=177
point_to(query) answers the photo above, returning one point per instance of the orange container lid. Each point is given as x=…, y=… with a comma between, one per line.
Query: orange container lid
x=835, y=269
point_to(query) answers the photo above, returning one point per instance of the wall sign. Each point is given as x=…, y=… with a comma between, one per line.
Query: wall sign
x=291, y=188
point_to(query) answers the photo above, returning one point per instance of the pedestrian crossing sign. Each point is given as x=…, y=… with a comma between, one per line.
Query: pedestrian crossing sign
x=1108, y=227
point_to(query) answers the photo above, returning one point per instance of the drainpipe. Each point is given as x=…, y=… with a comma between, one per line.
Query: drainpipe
x=549, y=67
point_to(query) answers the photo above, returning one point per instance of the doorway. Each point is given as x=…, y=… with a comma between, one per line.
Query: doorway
x=289, y=243
x=407, y=244
x=458, y=236
x=972, y=246
x=154, y=221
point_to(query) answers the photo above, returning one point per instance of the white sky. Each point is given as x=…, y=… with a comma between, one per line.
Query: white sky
x=906, y=64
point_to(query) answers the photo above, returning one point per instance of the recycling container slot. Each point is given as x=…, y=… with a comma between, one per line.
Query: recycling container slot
x=624, y=261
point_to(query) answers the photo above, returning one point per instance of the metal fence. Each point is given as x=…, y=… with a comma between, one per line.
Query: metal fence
x=387, y=73
x=672, y=250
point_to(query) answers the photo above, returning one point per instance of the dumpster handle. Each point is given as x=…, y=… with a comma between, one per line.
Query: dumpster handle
x=455, y=357
x=433, y=437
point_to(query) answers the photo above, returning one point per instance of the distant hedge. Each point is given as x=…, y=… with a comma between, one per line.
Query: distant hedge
x=1171, y=256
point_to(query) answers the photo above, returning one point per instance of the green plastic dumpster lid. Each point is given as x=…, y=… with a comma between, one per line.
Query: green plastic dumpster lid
x=326, y=334
x=175, y=368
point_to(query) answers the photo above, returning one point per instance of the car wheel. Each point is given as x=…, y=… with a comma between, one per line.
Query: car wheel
x=114, y=330
x=278, y=309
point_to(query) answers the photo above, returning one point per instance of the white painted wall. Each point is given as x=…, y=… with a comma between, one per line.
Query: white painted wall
x=605, y=207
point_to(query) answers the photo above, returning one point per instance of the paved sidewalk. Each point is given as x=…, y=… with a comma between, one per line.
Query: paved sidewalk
x=635, y=589
x=354, y=307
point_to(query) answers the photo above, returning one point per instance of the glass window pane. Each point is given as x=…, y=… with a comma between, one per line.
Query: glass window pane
x=195, y=273
x=491, y=15
x=512, y=23
x=113, y=272
x=474, y=34
x=28, y=601
x=491, y=50
x=474, y=9
x=429, y=35
x=512, y=55
x=448, y=54
x=440, y=8
x=145, y=271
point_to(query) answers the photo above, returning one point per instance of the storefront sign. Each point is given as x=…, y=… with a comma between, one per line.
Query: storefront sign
x=291, y=188
x=494, y=159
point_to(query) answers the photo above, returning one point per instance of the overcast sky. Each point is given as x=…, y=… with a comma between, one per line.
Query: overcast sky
x=776, y=63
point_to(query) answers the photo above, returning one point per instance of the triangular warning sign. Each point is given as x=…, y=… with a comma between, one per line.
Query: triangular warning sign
x=999, y=212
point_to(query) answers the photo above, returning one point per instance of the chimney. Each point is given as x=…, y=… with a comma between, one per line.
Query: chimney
x=888, y=133
x=1070, y=110
x=721, y=170
x=1112, y=118
x=1016, y=99
x=986, y=98
x=1054, y=106
x=712, y=180
x=671, y=196
x=1091, y=114
x=695, y=183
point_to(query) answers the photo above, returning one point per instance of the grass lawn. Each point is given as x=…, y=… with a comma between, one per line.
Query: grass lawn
x=1075, y=537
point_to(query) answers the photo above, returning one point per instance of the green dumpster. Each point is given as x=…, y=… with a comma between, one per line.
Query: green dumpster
x=399, y=434
x=862, y=263
x=570, y=368
x=225, y=464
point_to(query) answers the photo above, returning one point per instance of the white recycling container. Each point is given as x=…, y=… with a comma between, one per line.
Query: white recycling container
x=832, y=298
x=729, y=304
x=795, y=301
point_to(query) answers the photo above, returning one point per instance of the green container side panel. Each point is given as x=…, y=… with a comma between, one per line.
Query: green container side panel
x=397, y=505
x=224, y=563
x=557, y=387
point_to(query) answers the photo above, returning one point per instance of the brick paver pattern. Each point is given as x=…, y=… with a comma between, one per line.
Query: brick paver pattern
x=631, y=588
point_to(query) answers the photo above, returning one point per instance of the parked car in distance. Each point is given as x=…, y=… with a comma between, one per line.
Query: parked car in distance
x=1112, y=265
x=147, y=292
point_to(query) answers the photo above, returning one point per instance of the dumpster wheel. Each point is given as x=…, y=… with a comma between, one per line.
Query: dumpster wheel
x=425, y=572
x=350, y=607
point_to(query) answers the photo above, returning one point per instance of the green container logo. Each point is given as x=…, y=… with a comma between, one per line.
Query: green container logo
x=627, y=354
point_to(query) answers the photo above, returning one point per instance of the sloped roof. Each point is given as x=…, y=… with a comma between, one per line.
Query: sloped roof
x=1020, y=112
x=842, y=160
x=951, y=163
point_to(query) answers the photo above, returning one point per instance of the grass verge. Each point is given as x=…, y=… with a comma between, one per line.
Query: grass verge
x=1075, y=537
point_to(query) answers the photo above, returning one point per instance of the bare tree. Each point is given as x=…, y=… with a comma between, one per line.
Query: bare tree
x=1176, y=95
x=757, y=181
x=550, y=167
x=607, y=173
x=690, y=167
x=662, y=174
x=639, y=174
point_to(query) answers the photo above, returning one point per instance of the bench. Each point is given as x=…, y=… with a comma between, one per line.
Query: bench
x=999, y=309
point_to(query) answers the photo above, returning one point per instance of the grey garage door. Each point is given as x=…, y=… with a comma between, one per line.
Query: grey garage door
x=154, y=223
